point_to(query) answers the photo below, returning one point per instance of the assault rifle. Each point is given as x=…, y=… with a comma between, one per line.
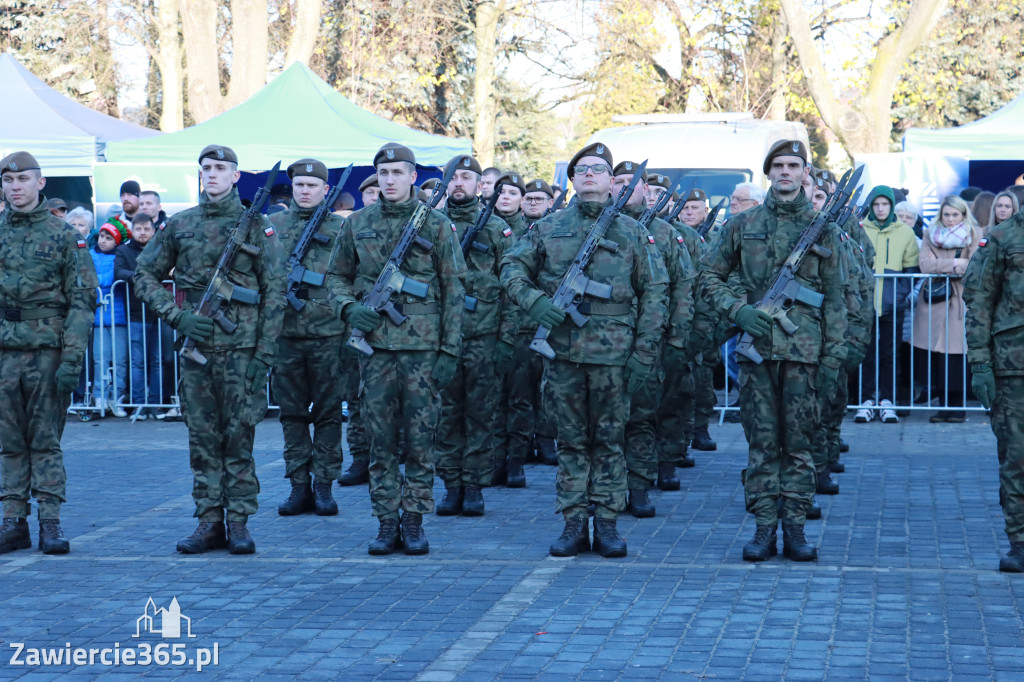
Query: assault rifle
x=469, y=239
x=785, y=291
x=648, y=216
x=705, y=226
x=391, y=282
x=678, y=208
x=221, y=291
x=559, y=202
x=575, y=284
x=297, y=273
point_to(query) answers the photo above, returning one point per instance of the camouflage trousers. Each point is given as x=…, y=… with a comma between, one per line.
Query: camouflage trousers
x=309, y=371
x=32, y=417
x=704, y=387
x=1008, y=426
x=355, y=432
x=641, y=446
x=399, y=392
x=589, y=406
x=221, y=415
x=826, y=433
x=470, y=411
x=526, y=415
x=779, y=409
x=675, y=414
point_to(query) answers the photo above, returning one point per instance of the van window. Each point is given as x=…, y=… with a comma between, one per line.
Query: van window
x=716, y=182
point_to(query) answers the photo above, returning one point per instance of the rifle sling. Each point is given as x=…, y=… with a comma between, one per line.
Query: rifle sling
x=603, y=308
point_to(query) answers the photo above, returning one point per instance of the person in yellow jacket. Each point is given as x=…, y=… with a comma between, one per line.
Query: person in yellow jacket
x=896, y=251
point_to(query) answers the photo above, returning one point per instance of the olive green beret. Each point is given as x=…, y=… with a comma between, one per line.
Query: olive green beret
x=627, y=168
x=428, y=184
x=19, y=161
x=308, y=167
x=392, y=152
x=514, y=179
x=697, y=195
x=540, y=186
x=785, y=148
x=596, y=149
x=826, y=175
x=56, y=202
x=466, y=162
x=219, y=152
x=659, y=180
x=369, y=182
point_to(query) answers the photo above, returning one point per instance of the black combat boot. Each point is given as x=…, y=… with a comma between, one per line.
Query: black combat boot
x=1013, y=562
x=389, y=538
x=451, y=505
x=575, y=538
x=795, y=545
x=473, y=502
x=206, y=536
x=358, y=472
x=51, y=537
x=825, y=484
x=547, y=451
x=763, y=546
x=640, y=504
x=415, y=539
x=300, y=501
x=814, y=513
x=667, y=479
x=14, y=535
x=323, y=499
x=516, y=474
x=607, y=541
x=687, y=461
x=239, y=540
x=843, y=447
x=836, y=467
x=500, y=474
x=702, y=440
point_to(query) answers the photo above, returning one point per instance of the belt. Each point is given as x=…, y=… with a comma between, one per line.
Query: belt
x=599, y=308
x=25, y=314
x=418, y=308
x=308, y=295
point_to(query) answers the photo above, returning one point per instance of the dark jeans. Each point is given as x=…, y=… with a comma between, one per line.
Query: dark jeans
x=145, y=351
x=883, y=359
x=947, y=375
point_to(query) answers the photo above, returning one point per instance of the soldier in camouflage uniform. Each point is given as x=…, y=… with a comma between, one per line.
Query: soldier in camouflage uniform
x=224, y=399
x=411, y=362
x=642, y=432
x=308, y=379
x=47, y=298
x=471, y=403
x=995, y=348
x=779, y=398
x=597, y=366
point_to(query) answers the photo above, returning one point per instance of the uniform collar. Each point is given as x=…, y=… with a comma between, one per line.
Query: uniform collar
x=592, y=209
x=798, y=205
x=39, y=214
x=303, y=213
x=397, y=209
x=466, y=212
x=229, y=205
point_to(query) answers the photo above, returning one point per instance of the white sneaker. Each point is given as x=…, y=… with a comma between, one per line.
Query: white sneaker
x=117, y=410
x=888, y=414
x=172, y=414
x=865, y=413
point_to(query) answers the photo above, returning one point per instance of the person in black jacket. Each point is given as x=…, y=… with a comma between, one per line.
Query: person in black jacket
x=143, y=334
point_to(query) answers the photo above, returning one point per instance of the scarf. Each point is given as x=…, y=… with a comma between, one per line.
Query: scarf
x=956, y=237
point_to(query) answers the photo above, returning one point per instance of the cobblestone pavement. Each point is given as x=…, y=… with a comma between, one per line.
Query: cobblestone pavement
x=906, y=586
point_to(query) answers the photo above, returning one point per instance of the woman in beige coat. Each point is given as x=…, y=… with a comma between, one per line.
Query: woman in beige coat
x=947, y=247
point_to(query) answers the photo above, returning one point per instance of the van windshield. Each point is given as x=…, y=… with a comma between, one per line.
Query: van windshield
x=716, y=182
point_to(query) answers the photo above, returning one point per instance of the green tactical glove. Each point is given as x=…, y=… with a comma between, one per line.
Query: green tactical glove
x=826, y=380
x=363, y=318
x=983, y=383
x=256, y=375
x=636, y=374
x=546, y=313
x=444, y=369
x=503, y=357
x=195, y=327
x=755, y=322
x=674, y=358
x=67, y=377
x=854, y=356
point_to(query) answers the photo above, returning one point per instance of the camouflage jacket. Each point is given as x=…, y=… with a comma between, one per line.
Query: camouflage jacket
x=516, y=221
x=682, y=275
x=45, y=271
x=367, y=240
x=189, y=246
x=756, y=243
x=482, y=268
x=317, y=318
x=860, y=287
x=632, y=321
x=994, y=294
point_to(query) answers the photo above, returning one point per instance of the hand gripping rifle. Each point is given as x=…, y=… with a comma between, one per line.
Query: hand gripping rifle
x=705, y=226
x=469, y=239
x=575, y=284
x=391, y=282
x=297, y=273
x=785, y=291
x=221, y=291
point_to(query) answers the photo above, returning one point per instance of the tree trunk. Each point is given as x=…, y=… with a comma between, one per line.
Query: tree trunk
x=199, y=29
x=777, y=104
x=304, y=35
x=167, y=58
x=485, y=108
x=250, y=44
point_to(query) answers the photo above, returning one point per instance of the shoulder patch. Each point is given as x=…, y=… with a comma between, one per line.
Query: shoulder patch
x=508, y=231
x=983, y=242
x=701, y=239
x=82, y=244
x=679, y=238
x=453, y=227
x=650, y=239
x=269, y=231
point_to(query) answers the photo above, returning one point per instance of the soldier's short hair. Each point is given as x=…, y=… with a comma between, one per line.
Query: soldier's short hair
x=151, y=193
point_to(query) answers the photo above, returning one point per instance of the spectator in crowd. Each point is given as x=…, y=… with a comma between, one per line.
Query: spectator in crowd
x=110, y=335
x=969, y=194
x=1017, y=191
x=143, y=333
x=1003, y=208
x=906, y=213
x=57, y=207
x=745, y=195
x=896, y=251
x=149, y=203
x=130, y=195
x=981, y=210
x=82, y=220
x=947, y=247
x=370, y=190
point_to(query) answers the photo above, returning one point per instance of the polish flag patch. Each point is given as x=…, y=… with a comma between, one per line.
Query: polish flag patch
x=507, y=232
x=983, y=242
x=679, y=238
x=453, y=227
x=650, y=239
x=269, y=231
x=81, y=243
